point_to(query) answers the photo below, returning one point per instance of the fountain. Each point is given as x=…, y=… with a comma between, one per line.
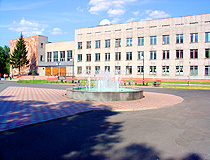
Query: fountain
x=105, y=88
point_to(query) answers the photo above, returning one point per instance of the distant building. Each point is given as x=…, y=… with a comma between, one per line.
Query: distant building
x=35, y=46
x=59, y=59
x=171, y=48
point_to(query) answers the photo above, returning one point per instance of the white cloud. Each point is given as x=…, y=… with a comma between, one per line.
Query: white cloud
x=56, y=31
x=80, y=9
x=115, y=21
x=131, y=20
x=112, y=7
x=28, y=28
x=157, y=14
x=136, y=13
x=148, y=11
x=115, y=12
x=21, y=6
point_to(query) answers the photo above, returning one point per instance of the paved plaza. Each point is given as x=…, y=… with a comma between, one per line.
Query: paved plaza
x=165, y=124
x=22, y=106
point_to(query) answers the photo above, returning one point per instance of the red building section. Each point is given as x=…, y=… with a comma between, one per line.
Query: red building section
x=33, y=46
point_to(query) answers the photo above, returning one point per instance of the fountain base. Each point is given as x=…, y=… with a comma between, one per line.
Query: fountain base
x=121, y=95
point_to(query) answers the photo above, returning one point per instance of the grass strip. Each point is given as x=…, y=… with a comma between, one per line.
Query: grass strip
x=32, y=81
x=186, y=87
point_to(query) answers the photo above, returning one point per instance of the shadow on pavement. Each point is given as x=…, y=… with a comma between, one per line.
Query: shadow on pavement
x=87, y=136
x=84, y=137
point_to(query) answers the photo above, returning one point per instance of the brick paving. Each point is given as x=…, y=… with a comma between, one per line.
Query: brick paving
x=21, y=106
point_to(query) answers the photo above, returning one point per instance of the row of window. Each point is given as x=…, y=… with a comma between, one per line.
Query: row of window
x=129, y=29
x=64, y=55
x=152, y=70
x=153, y=40
x=153, y=55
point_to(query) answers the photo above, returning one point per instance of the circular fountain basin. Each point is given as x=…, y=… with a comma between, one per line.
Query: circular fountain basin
x=109, y=94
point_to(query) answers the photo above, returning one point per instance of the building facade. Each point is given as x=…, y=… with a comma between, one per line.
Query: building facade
x=59, y=59
x=35, y=45
x=171, y=48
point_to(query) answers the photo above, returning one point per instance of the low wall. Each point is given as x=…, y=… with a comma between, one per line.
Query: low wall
x=104, y=96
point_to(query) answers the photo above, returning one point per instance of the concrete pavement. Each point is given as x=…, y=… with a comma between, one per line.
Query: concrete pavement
x=178, y=132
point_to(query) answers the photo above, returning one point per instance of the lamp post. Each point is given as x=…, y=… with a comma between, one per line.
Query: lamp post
x=12, y=70
x=58, y=68
x=143, y=68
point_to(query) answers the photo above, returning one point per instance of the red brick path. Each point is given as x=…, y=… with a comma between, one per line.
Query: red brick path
x=20, y=106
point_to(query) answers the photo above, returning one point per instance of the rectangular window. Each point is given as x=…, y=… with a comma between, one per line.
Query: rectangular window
x=194, y=37
x=193, y=70
x=79, y=57
x=79, y=45
x=165, y=70
x=117, y=70
x=69, y=55
x=140, y=41
x=153, y=55
x=41, y=58
x=207, y=37
x=88, y=44
x=88, y=57
x=55, y=56
x=107, y=68
x=49, y=56
x=107, y=56
x=140, y=55
x=166, y=39
x=140, y=69
x=88, y=69
x=179, y=54
x=42, y=45
x=152, y=70
x=179, y=38
x=207, y=53
x=97, y=57
x=128, y=69
x=128, y=56
x=207, y=70
x=62, y=55
x=179, y=70
x=153, y=40
x=97, y=69
x=194, y=53
x=107, y=43
x=79, y=70
x=166, y=54
x=117, y=56
x=98, y=44
x=129, y=42
x=118, y=42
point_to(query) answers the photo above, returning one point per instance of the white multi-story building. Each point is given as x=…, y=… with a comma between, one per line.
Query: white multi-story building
x=171, y=48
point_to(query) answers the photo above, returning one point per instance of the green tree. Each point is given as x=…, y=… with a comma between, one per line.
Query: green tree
x=19, y=57
x=4, y=60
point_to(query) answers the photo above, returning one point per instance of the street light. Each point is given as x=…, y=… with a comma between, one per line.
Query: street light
x=142, y=57
x=58, y=68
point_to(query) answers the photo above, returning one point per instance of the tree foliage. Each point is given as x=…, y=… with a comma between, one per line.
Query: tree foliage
x=19, y=57
x=4, y=59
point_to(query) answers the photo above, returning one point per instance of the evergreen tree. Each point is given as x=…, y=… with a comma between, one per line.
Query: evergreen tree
x=4, y=60
x=19, y=57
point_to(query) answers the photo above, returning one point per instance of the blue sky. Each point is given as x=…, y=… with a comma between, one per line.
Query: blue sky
x=57, y=19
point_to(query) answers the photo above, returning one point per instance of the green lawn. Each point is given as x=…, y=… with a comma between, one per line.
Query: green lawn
x=36, y=81
x=185, y=87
